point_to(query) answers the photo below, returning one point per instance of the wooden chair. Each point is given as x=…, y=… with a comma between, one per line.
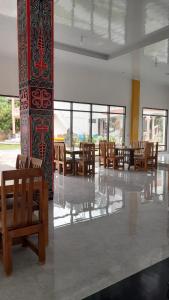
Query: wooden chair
x=147, y=161
x=141, y=146
x=20, y=221
x=22, y=161
x=114, y=159
x=85, y=165
x=102, y=153
x=61, y=161
x=35, y=162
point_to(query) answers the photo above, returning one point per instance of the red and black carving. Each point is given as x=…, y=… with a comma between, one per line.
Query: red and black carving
x=22, y=43
x=41, y=41
x=42, y=126
x=35, y=51
x=24, y=101
x=41, y=98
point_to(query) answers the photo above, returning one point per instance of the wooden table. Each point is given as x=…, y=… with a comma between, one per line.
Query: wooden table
x=73, y=151
x=128, y=154
x=9, y=189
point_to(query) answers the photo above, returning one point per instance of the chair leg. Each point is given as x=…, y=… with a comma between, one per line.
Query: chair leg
x=64, y=170
x=7, y=255
x=42, y=255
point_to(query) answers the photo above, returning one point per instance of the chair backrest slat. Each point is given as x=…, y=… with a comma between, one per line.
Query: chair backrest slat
x=35, y=162
x=25, y=183
x=88, y=151
x=110, y=149
x=22, y=161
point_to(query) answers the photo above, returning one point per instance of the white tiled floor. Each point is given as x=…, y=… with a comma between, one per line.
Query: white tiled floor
x=102, y=229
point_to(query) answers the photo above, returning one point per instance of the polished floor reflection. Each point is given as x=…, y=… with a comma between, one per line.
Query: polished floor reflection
x=79, y=199
x=102, y=230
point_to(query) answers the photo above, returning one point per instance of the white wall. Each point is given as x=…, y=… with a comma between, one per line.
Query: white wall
x=85, y=84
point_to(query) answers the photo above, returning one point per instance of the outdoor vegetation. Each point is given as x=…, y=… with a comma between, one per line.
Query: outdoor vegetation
x=6, y=115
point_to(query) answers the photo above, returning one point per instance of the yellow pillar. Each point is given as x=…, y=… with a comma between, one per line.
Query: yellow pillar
x=135, y=105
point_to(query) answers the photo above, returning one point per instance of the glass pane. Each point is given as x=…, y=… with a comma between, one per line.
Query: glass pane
x=99, y=108
x=117, y=110
x=99, y=127
x=116, y=129
x=151, y=111
x=81, y=106
x=154, y=129
x=61, y=105
x=62, y=126
x=81, y=127
x=162, y=148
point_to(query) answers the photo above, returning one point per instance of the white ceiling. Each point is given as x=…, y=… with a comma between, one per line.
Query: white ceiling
x=130, y=37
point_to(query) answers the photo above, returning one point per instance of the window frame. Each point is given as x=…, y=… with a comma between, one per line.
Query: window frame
x=91, y=111
x=166, y=123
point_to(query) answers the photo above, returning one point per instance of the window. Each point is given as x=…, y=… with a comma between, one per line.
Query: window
x=116, y=129
x=78, y=122
x=99, y=127
x=81, y=127
x=155, y=126
x=62, y=126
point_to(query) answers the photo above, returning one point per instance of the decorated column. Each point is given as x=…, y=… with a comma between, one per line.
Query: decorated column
x=35, y=55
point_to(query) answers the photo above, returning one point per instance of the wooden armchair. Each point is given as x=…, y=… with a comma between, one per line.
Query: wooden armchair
x=20, y=221
x=114, y=159
x=102, y=153
x=86, y=164
x=22, y=161
x=148, y=160
x=62, y=163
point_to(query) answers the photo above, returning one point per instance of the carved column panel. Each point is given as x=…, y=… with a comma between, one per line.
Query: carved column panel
x=35, y=55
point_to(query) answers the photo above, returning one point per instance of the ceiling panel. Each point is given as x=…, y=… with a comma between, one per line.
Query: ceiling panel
x=109, y=26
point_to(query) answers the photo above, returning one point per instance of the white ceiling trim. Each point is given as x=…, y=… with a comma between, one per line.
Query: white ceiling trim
x=81, y=51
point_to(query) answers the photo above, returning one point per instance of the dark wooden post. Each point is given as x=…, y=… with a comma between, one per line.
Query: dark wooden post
x=35, y=55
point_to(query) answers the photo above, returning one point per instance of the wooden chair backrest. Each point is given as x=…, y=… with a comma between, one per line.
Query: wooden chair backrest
x=35, y=162
x=102, y=148
x=110, y=149
x=22, y=162
x=149, y=150
x=25, y=183
x=60, y=152
x=88, y=151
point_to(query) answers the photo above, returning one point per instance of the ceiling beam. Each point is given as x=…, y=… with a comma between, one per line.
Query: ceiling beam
x=147, y=40
x=81, y=51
